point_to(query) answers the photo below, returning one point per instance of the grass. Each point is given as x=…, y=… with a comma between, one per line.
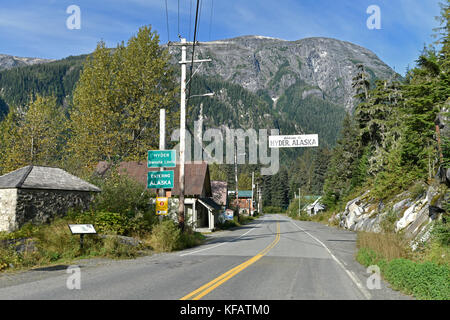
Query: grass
x=54, y=243
x=424, y=274
x=387, y=245
x=228, y=224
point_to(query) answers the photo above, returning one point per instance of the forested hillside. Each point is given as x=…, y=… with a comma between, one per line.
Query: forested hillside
x=56, y=78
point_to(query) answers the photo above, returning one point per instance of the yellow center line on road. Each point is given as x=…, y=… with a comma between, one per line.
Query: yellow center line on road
x=210, y=286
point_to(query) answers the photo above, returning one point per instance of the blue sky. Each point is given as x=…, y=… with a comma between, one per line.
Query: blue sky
x=37, y=28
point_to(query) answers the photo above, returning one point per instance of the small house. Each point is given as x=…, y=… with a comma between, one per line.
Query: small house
x=38, y=194
x=201, y=211
x=315, y=207
x=244, y=201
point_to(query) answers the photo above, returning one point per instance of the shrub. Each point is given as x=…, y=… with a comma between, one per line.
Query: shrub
x=366, y=257
x=165, y=236
x=227, y=224
x=123, y=195
x=114, y=223
x=270, y=209
x=441, y=233
x=189, y=239
x=424, y=280
x=110, y=223
x=388, y=222
x=114, y=248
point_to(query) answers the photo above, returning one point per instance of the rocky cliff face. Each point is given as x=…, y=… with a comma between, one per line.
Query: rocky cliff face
x=273, y=65
x=8, y=62
x=409, y=213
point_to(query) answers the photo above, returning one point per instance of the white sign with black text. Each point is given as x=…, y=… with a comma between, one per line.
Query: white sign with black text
x=297, y=141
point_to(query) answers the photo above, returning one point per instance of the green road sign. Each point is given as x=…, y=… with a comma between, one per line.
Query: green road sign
x=162, y=159
x=160, y=179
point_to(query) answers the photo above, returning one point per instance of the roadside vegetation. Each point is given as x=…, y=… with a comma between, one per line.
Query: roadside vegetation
x=390, y=145
x=423, y=273
x=243, y=220
x=126, y=224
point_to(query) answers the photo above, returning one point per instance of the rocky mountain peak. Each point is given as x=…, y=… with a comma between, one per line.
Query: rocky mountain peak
x=8, y=61
x=273, y=65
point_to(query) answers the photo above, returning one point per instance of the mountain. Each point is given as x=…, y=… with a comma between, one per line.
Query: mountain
x=8, y=62
x=48, y=77
x=302, y=86
x=256, y=63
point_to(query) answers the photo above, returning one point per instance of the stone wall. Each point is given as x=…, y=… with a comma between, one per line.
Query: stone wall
x=40, y=206
x=8, y=198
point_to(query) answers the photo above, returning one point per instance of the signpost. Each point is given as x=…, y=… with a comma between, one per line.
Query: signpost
x=297, y=141
x=162, y=159
x=82, y=229
x=160, y=179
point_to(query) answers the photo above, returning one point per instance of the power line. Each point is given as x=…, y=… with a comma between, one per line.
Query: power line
x=178, y=17
x=167, y=22
x=193, y=51
x=211, y=19
x=190, y=20
x=199, y=17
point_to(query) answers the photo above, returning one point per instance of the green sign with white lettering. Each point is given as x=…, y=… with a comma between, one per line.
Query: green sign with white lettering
x=162, y=159
x=160, y=179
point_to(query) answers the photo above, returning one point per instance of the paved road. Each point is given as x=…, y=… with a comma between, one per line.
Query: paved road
x=272, y=258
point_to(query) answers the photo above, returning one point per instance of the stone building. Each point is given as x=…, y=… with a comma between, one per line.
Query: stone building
x=37, y=194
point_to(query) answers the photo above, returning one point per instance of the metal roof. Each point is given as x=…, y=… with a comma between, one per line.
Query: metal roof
x=209, y=203
x=48, y=178
x=196, y=176
x=242, y=193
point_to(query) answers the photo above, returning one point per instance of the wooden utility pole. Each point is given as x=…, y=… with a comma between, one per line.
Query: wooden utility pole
x=162, y=145
x=253, y=186
x=299, y=202
x=182, y=133
x=183, y=62
x=259, y=199
x=236, y=180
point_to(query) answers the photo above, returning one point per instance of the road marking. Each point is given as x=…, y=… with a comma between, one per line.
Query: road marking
x=210, y=286
x=355, y=280
x=220, y=244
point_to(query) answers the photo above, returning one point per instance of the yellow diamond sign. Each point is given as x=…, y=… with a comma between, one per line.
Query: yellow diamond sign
x=162, y=206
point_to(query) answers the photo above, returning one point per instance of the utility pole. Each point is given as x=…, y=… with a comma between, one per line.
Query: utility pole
x=182, y=133
x=162, y=145
x=299, y=201
x=259, y=200
x=253, y=185
x=236, y=180
x=183, y=62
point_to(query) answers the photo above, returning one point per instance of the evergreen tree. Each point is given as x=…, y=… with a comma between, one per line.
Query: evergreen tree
x=321, y=164
x=361, y=84
x=345, y=156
